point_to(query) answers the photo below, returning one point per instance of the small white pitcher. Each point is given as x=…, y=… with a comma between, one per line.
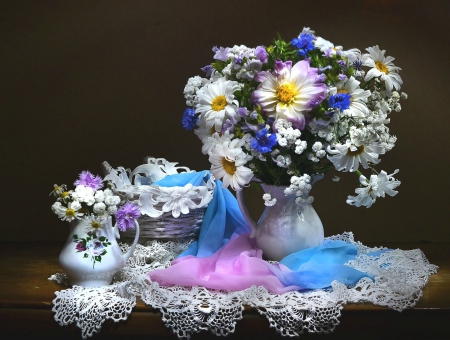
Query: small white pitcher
x=80, y=270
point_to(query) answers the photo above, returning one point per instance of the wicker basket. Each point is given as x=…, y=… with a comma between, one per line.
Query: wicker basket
x=161, y=225
x=168, y=227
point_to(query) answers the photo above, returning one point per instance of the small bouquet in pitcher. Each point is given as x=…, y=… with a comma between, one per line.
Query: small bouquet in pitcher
x=287, y=112
x=92, y=205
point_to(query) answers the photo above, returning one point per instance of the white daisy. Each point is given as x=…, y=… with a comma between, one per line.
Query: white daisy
x=346, y=157
x=227, y=163
x=95, y=223
x=70, y=213
x=327, y=47
x=58, y=190
x=203, y=131
x=358, y=98
x=383, y=67
x=216, y=103
x=377, y=186
x=210, y=143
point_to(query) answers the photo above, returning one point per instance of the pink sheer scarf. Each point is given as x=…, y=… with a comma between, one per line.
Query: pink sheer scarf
x=236, y=266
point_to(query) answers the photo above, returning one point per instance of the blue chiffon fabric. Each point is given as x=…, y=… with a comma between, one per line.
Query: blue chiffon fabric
x=312, y=268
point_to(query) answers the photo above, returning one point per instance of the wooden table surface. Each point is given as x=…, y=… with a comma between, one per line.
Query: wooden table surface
x=26, y=297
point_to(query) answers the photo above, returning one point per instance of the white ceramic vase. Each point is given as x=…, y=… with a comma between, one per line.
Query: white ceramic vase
x=82, y=271
x=284, y=228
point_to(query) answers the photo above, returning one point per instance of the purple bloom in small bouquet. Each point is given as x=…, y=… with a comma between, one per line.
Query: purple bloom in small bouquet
x=126, y=216
x=89, y=180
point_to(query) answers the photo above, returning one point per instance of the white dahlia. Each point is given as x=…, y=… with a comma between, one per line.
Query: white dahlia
x=290, y=92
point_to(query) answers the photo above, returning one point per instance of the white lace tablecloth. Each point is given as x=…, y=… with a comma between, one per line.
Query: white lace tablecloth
x=399, y=276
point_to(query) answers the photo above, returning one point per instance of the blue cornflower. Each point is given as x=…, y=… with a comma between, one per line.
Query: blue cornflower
x=189, y=119
x=340, y=101
x=304, y=43
x=263, y=141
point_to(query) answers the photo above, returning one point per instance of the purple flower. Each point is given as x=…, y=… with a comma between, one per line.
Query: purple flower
x=237, y=63
x=189, y=120
x=126, y=215
x=261, y=54
x=342, y=77
x=207, y=69
x=261, y=76
x=321, y=122
x=320, y=78
x=80, y=246
x=263, y=141
x=88, y=180
x=279, y=66
x=229, y=125
x=242, y=112
x=220, y=54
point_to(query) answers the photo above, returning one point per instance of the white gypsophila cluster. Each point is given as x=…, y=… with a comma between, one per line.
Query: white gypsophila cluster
x=300, y=146
x=191, y=88
x=283, y=161
x=394, y=101
x=83, y=194
x=318, y=148
x=243, y=65
x=268, y=200
x=240, y=52
x=286, y=134
x=318, y=152
x=362, y=136
x=300, y=186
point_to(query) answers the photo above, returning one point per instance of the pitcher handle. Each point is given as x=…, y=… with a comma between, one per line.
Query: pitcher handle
x=245, y=213
x=127, y=255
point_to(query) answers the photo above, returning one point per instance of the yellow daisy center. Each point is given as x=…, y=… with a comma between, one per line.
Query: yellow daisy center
x=345, y=92
x=228, y=166
x=285, y=93
x=70, y=213
x=95, y=224
x=359, y=150
x=381, y=67
x=219, y=103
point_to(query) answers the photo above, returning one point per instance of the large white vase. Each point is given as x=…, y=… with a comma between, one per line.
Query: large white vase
x=284, y=228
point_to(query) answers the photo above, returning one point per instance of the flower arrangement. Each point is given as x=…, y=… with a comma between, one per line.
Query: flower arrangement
x=89, y=202
x=284, y=113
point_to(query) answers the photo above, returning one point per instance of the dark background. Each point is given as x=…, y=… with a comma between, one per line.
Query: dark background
x=87, y=81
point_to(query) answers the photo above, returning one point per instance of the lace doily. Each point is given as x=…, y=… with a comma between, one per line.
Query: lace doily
x=399, y=278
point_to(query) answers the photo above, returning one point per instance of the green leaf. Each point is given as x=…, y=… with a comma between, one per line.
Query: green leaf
x=86, y=255
x=75, y=236
x=102, y=238
x=98, y=258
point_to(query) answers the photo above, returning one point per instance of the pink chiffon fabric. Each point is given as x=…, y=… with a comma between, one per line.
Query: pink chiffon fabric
x=236, y=266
